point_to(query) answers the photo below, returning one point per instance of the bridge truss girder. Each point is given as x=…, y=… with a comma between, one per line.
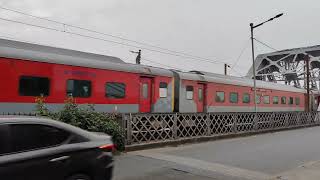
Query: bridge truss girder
x=288, y=67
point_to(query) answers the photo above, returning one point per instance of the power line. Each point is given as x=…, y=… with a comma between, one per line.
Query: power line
x=265, y=44
x=236, y=62
x=11, y=38
x=118, y=37
x=101, y=39
x=168, y=66
x=238, y=58
x=148, y=60
x=241, y=53
x=237, y=72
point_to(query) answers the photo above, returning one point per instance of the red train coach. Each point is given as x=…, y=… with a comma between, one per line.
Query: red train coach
x=30, y=70
x=210, y=92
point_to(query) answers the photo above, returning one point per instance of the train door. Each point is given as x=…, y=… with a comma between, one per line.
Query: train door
x=306, y=103
x=145, y=94
x=315, y=98
x=318, y=103
x=201, y=98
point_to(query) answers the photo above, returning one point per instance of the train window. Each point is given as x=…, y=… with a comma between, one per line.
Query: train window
x=266, y=99
x=163, y=90
x=297, y=101
x=189, y=92
x=283, y=100
x=290, y=100
x=34, y=86
x=220, y=96
x=79, y=88
x=275, y=100
x=145, y=90
x=233, y=97
x=246, y=98
x=115, y=90
x=258, y=98
x=200, y=94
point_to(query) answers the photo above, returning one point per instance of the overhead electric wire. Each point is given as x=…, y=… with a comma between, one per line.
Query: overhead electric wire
x=186, y=55
x=238, y=58
x=168, y=66
x=237, y=72
x=236, y=62
x=265, y=44
x=115, y=42
x=148, y=60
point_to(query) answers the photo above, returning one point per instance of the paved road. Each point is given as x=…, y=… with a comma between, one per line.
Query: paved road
x=262, y=156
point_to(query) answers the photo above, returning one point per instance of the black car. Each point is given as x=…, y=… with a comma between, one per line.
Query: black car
x=33, y=148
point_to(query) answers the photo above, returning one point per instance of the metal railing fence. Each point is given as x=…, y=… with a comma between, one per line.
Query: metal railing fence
x=150, y=128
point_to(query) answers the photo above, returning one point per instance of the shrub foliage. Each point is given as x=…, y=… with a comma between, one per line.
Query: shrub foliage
x=85, y=117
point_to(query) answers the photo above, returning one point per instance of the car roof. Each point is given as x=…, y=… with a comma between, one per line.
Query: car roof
x=29, y=119
x=20, y=118
x=14, y=119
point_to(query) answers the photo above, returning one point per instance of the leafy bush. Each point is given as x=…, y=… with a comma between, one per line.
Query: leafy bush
x=41, y=108
x=85, y=117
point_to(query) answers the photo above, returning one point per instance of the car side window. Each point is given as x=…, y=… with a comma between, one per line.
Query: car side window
x=5, y=143
x=27, y=137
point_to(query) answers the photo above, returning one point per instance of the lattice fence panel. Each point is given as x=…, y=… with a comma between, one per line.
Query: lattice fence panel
x=244, y=122
x=221, y=123
x=152, y=127
x=148, y=128
x=191, y=125
x=293, y=119
x=279, y=120
x=317, y=118
x=265, y=121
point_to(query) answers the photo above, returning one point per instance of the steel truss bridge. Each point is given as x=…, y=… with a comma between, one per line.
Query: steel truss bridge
x=289, y=67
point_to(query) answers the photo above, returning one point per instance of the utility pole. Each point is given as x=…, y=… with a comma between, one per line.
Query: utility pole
x=307, y=60
x=252, y=26
x=253, y=69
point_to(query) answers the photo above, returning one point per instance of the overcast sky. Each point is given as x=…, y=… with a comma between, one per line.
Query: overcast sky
x=212, y=29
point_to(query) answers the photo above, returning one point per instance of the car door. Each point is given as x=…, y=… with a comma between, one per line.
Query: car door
x=4, y=139
x=32, y=153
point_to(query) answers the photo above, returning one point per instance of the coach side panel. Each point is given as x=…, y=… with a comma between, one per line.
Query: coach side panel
x=163, y=94
x=189, y=96
x=13, y=99
x=109, y=91
x=232, y=98
x=7, y=80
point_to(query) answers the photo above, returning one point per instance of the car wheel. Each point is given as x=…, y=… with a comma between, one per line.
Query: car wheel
x=79, y=177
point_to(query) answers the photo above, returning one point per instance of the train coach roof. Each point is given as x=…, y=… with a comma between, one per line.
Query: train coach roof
x=232, y=80
x=40, y=53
